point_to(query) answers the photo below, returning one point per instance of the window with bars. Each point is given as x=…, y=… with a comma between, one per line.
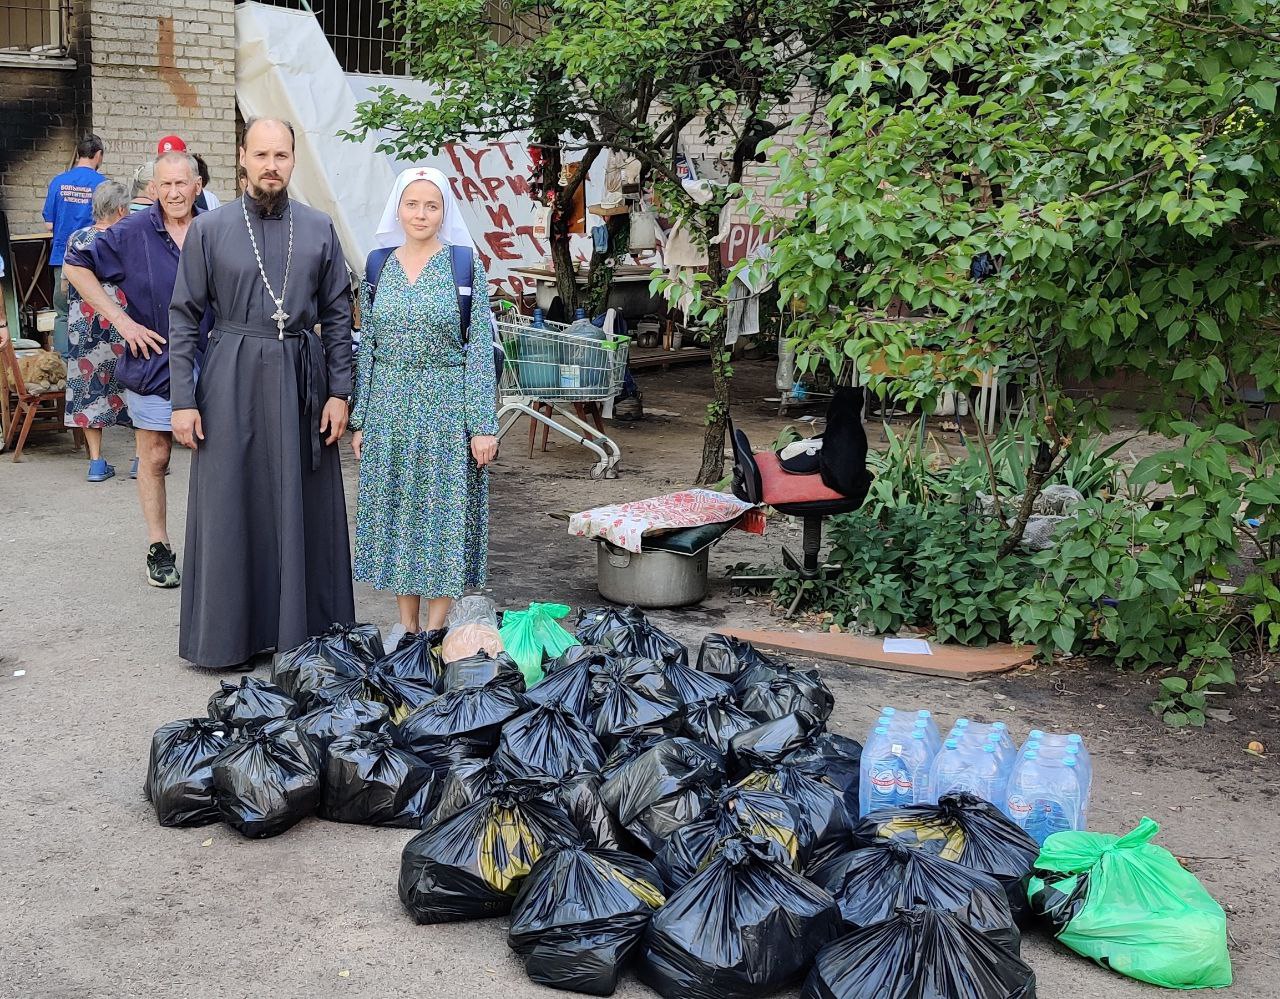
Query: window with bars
x=34, y=28
x=355, y=33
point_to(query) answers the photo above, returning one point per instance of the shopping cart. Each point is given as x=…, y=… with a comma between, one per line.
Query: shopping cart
x=547, y=368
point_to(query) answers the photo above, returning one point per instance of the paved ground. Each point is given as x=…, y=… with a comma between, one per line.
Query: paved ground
x=99, y=901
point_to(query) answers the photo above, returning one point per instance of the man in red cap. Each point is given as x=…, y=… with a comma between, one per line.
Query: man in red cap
x=174, y=144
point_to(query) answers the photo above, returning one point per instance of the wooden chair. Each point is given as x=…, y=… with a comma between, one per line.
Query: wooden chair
x=32, y=409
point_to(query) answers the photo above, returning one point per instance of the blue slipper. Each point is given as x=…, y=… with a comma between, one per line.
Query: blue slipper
x=100, y=471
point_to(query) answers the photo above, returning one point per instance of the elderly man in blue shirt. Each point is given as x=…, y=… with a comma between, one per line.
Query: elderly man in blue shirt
x=139, y=255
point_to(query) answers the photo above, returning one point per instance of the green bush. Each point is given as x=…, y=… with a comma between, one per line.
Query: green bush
x=932, y=565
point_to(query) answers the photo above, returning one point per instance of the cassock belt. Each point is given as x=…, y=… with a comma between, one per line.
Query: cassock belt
x=312, y=378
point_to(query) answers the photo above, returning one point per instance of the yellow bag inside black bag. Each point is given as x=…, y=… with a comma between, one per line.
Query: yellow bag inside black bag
x=471, y=864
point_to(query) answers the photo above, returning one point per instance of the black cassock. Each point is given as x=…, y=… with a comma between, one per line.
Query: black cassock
x=268, y=559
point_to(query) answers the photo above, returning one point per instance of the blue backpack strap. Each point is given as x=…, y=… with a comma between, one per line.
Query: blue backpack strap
x=460, y=257
x=373, y=265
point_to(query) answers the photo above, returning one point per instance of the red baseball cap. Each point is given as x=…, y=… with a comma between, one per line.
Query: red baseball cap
x=170, y=144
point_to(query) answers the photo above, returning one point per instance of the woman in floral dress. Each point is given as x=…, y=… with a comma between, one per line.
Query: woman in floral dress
x=425, y=418
x=94, y=399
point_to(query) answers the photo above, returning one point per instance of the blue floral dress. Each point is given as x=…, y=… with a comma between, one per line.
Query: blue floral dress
x=422, y=508
x=95, y=399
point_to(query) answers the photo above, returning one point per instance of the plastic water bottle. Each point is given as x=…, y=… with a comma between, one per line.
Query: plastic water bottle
x=1005, y=753
x=951, y=772
x=917, y=758
x=1085, y=781
x=924, y=719
x=1043, y=795
x=959, y=730
x=539, y=320
x=989, y=778
x=878, y=780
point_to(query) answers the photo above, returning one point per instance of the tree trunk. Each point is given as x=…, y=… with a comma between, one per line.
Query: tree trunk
x=600, y=271
x=712, y=470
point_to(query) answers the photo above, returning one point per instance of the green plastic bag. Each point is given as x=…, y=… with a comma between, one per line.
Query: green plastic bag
x=1129, y=905
x=535, y=635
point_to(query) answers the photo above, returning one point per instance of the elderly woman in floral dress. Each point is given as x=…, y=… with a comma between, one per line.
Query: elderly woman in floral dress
x=94, y=399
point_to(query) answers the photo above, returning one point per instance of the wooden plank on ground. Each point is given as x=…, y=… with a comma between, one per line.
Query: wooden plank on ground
x=648, y=358
x=954, y=661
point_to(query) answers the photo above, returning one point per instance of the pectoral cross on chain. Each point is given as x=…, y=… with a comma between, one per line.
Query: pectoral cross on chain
x=280, y=316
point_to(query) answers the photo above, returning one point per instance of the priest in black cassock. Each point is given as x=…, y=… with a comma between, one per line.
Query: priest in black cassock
x=268, y=561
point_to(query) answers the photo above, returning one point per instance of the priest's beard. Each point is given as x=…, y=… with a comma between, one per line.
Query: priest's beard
x=269, y=202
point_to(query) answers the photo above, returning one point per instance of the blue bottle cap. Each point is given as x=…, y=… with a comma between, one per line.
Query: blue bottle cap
x=1031, y=755
x=951, y=744
x=888, y=712
x=990, y=747
x=1035, y=733
x=917, y=733
x=924, y=714
x=881, y=730
x=1075, y=739
x=962, y=723
x=1069, y=760
x=998, y=726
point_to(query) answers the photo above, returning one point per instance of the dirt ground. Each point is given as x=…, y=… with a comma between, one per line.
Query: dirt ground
x=99, y=901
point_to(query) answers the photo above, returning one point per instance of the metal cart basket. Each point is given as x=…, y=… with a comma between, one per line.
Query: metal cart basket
x=547, y=365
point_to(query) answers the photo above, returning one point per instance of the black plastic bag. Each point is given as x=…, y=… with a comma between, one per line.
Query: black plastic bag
x=464, y=784
x=470, y=865
x=357, y=680
x=180, y=772
x=744, y=925
x=579, y=915
x=817, y=803
x=460, y=724
x=579, y=795
x=871, y=884
x=332, y=721
x=727, y=657
x=370, y=781
x=251, y=702
x=691, y=686
x=764, y=816
x=364, y=641
x=628, y=632
x=417, y=656
x=835, y=760
x=267, y=781
x=965, y=829
x=628, y=749
x=568, y=679
x=772, y=741
x=630, y=696
x=480, y=669
x=548, y=739
x=766, y=692
x=664, y=788
x=919, y=953
x=716, y=722
x=300, y=671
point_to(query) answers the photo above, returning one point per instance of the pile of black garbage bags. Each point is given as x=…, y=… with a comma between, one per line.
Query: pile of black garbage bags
x=695, y=820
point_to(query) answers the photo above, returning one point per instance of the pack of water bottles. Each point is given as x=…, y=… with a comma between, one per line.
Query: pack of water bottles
x=1043, y=786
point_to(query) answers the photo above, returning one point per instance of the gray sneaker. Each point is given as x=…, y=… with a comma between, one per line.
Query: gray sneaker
x=162, y=566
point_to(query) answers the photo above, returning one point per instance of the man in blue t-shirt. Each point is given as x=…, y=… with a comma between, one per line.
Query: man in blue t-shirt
x=68, y=207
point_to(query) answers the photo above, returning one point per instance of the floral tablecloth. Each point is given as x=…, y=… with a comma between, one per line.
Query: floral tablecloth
x=627, y=524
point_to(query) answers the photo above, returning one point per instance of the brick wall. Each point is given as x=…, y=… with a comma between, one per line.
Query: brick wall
x=160, y=69
x=137, y=70
x=759, y=177
x=44, y=109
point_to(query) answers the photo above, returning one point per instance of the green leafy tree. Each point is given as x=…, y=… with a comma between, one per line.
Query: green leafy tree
x=587, y=76
x=1115, y=167
x=1116, y=162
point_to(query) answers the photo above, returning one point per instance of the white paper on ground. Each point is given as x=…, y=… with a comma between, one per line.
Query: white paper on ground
x=908, y=646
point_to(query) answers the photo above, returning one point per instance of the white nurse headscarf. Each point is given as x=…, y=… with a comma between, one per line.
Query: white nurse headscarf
x=452, y=231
